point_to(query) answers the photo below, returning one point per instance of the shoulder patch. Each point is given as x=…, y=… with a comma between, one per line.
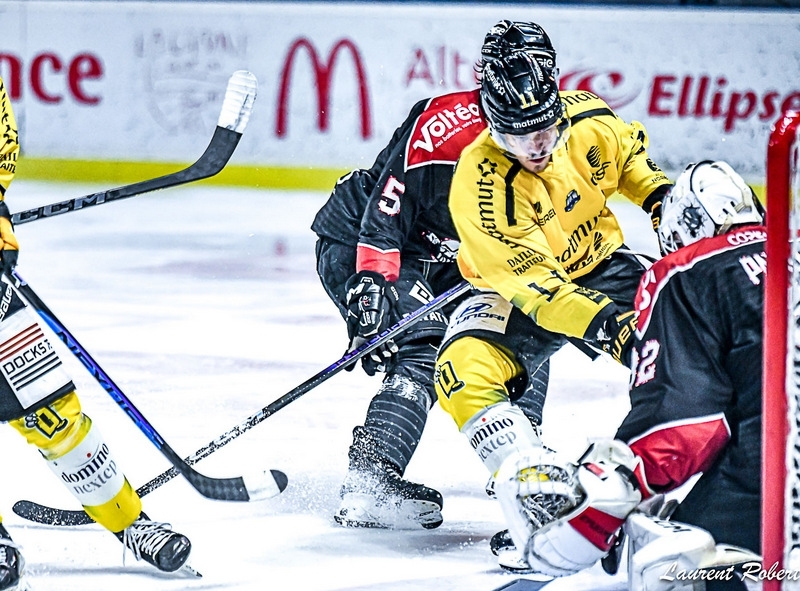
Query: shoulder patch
x=448, y=124
x=657, y=276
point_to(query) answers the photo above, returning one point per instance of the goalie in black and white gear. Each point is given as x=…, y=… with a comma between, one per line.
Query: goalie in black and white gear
x=695, y=406
x=566, y=517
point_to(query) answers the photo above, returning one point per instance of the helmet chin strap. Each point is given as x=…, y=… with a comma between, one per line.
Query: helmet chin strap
x=724, y=226
x=747, y=203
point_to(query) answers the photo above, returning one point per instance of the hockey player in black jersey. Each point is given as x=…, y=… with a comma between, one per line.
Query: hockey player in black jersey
x=695, y=408
x=387, y=246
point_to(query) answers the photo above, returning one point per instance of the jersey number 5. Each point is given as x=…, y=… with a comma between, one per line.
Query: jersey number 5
x=392, y=191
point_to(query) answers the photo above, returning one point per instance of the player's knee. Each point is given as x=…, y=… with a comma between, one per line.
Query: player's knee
x=470, y=375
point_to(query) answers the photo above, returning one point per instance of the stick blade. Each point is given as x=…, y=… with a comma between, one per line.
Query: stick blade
x=239, y=98
x=266, y=484
x=49, y=516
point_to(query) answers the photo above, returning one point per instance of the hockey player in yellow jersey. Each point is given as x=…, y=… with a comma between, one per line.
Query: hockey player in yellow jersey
x=544, y=253
x=38, y=399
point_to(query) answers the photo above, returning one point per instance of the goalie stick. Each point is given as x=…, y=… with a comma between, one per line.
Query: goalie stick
x=236, y=108
x=33, y=511
x=259, y=486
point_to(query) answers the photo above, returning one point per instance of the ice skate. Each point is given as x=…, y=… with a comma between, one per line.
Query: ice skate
x=12, y=565
x=157, y=544
x=508, y=557
x=374, y=493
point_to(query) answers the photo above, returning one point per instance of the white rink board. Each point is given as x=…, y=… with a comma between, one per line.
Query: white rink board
x=135, y=81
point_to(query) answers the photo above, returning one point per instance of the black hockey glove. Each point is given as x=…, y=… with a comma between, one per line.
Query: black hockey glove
x=8, y=241
x=652, y=204
x=616, y=336
x=370, y=300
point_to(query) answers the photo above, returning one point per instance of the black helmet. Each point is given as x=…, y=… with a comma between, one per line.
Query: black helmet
x=518, y=96
x=508, y=36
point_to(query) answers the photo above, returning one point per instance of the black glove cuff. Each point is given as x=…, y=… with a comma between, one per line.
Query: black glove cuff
x=600, y=322
x=655, y=198
x=376, y=278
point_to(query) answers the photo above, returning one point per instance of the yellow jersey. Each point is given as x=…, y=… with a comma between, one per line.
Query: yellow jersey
x=9, y=142
x=527, y=235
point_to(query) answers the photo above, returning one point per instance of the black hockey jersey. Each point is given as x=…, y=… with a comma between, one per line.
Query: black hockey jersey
x=397, y=210
x=697, y=361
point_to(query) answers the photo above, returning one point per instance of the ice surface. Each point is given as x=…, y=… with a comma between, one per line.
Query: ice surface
x=203, y=305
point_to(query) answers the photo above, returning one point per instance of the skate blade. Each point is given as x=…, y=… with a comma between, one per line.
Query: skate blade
x=514, y=562
x=22, y=585
x=188, y=570
x=359, y=510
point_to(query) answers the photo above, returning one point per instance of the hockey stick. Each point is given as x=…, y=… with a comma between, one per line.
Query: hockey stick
x=259, y=486
x=236, y=108
x=41, y=514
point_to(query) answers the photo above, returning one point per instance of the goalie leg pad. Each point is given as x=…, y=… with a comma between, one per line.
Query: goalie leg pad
x=585, y=507
x=670, y=555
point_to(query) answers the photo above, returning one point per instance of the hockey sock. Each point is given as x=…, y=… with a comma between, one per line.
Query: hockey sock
x=498, y=432
x=92, y=475
x=532, y=400
x=473, y=374
x=76, y=453
x=396, y=418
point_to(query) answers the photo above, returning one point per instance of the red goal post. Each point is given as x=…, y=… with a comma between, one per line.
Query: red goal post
x=780, y=470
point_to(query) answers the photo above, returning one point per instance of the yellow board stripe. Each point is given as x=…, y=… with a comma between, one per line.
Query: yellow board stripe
x=124, y=173
x=257, y=177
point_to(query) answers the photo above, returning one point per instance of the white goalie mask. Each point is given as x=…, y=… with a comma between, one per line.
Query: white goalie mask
x=707, y=199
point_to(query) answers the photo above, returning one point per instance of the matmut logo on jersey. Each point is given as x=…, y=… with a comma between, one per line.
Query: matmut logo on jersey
x=448, y=124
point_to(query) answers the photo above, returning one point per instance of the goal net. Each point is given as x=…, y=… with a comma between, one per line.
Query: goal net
x=781, y=411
